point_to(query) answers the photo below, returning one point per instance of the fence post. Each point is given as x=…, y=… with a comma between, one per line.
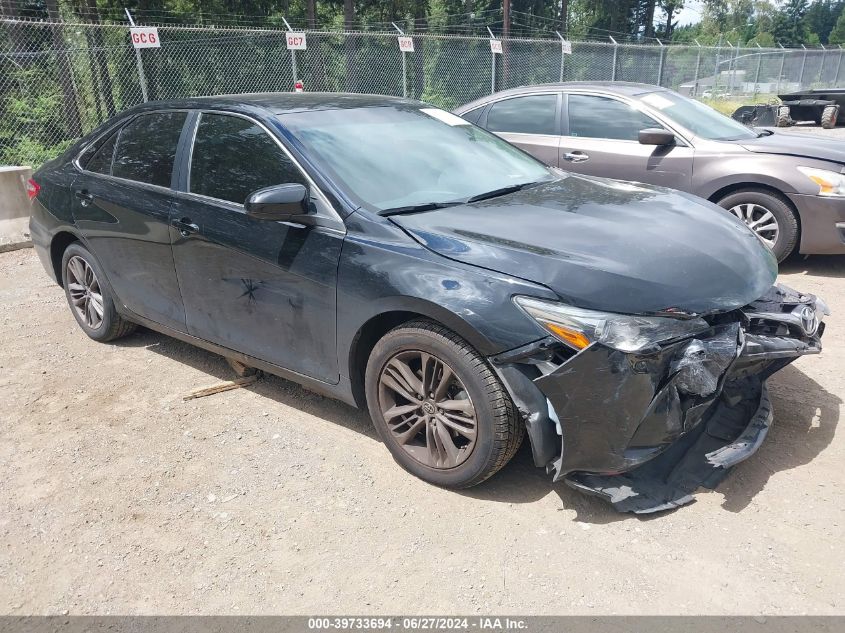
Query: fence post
x=140, y=63
x=838, y=67
x=803, y=64
x=716, y=68
x=731, y=67
x=615, y=49
x=292, y=55
x=821, y=65
x=782, y=62
x=562, y=55
x=736, y=67
x=697, y=69
x=493, y=64
x=757, y=74
x=404, y=64
x=660, y=64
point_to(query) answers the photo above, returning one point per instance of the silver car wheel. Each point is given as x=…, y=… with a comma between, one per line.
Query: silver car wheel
x=760, y=220
x=85, y=294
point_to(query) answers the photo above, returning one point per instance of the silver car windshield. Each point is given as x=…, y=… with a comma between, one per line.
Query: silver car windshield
x=698, y=118
x=396, y=157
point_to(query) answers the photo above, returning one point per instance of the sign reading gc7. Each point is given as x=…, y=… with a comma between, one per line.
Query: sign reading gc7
x=296, y=41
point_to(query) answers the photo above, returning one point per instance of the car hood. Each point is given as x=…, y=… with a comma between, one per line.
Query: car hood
x=802, y=145
x=607, y=245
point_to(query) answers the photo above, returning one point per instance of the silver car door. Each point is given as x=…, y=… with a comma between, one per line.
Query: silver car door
x=601, y=139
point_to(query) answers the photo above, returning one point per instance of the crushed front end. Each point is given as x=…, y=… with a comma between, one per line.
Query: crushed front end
x=645, y=428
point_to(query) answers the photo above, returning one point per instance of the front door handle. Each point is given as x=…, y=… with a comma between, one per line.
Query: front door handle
x=576, y=157
x=185, y=226
x=85, y=198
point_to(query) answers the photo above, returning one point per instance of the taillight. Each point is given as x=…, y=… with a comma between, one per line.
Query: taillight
x=32, y=188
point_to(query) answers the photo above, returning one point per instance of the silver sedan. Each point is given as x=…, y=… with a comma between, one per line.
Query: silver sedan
x=790, y=189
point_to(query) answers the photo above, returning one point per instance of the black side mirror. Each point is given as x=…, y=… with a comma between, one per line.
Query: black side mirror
x=656, y=136
x=279, y=203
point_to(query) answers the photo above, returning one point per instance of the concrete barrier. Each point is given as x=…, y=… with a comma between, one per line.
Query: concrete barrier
x=14, y=208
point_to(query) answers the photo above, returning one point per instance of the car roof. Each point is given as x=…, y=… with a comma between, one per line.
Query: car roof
x=282, y=102
x=626, y=88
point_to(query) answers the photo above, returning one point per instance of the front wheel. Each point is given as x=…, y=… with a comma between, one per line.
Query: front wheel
x=829, y=116
x=439, y=408
x=768, y=215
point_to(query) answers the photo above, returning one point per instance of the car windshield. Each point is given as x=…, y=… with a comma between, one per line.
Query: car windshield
x=698, y=118
x=405, y=157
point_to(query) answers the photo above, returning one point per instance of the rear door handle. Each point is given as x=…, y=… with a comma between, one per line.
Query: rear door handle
x=84, y=197
x=576, y=157
x=185, y=226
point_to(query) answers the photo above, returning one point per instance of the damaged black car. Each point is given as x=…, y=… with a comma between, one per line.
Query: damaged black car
x=396, y=257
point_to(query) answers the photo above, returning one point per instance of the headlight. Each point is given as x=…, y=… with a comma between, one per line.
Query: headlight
x=580, y=328
x=830, y=183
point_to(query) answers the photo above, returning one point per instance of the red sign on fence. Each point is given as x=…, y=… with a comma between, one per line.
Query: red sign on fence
x=145, y=37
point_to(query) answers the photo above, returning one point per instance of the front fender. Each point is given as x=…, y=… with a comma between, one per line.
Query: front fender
x=383, y=270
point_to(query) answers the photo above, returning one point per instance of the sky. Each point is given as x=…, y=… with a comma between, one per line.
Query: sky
x=691, y=13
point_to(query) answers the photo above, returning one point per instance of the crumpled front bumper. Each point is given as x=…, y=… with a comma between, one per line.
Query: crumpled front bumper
x=644, y=431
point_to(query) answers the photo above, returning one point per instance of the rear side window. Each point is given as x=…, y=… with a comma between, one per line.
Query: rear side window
x=532, y=114
x=146, y=149
x=473, y=115
x=601, y=117
x=232, y=157
x=100, y=160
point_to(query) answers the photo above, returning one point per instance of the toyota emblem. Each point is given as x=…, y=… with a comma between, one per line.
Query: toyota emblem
x=808, y=320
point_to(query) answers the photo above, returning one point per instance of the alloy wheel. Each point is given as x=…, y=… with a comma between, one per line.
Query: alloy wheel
x=760, y=220
x=85, y=294
x=427, y=409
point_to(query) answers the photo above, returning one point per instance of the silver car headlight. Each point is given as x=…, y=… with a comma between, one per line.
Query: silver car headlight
x=830, y=183
x=579, y=328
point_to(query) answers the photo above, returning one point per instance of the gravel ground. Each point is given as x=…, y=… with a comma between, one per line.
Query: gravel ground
x=804, y=128
x=120, y=498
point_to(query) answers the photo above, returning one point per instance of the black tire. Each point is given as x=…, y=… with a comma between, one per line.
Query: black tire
x=779, y=207
x=829, y=116
x=499, y=429
x=111, y=326
x=782, y=119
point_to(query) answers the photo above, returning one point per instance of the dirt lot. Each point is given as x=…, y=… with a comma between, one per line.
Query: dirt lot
x=118, y=497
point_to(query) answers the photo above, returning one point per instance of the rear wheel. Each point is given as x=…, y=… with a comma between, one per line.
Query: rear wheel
x=89, y=297
x=829, y=116
x=768, y=215
x=439, y=408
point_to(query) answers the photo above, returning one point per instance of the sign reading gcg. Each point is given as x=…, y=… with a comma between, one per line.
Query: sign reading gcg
x=496, y=47
x=145, y=37
x=296, y=41
x=406, y=44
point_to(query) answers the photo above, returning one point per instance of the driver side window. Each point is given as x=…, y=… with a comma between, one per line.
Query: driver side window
x=601, y=117
x=232, y=157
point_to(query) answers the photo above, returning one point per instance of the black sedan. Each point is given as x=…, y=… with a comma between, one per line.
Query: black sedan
x=396, y=257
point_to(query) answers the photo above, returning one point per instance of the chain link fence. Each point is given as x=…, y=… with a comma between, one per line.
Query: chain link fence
x=59, y=80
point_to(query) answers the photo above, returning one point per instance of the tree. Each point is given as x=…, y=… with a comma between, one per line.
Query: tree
x=671, y=8
x=74, y=126
x=837, y=35
x=821, y=18
x=789, y=27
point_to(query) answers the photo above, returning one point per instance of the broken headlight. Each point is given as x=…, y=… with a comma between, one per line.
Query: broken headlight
x=580, y=328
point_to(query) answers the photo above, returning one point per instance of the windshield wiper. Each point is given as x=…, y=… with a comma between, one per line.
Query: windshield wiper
x=424, y=206
x=500, y=192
